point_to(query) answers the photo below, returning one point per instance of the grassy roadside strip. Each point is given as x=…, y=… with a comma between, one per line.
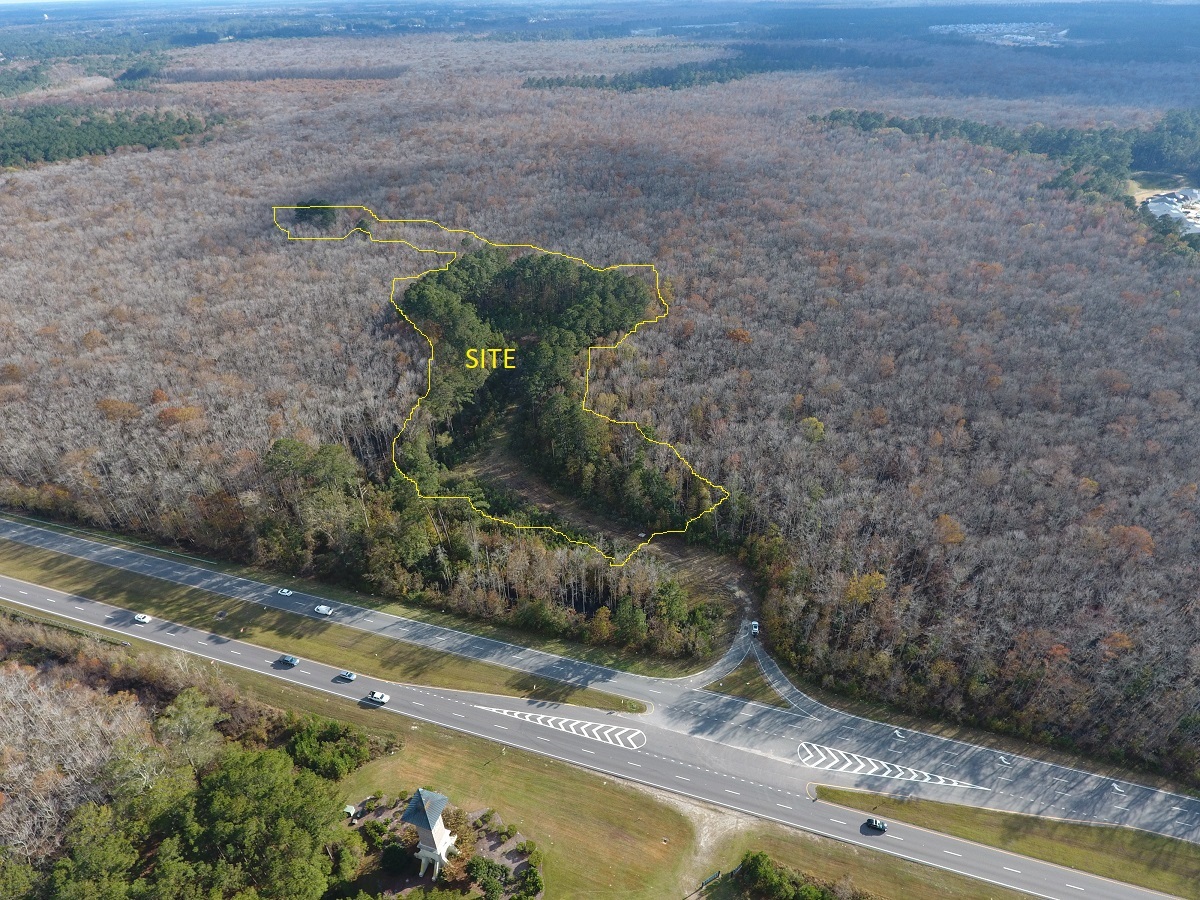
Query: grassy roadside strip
x=1123, y=854
x=613, y=657
x=747, y=681
x=320, y=640
x=601, y=837
x=564, y=808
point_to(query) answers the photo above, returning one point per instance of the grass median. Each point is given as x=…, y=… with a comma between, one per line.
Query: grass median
x=748, y=682
x=1123, y=854
x=336, y=645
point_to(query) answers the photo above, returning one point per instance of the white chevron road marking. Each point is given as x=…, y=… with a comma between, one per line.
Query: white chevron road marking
x=815, y=756
x=617, y=735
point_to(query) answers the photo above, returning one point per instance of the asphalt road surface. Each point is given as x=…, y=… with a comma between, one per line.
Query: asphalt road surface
x=734, y=753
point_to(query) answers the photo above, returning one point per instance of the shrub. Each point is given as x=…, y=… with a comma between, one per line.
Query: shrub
x=373, y=834
x=481, y=869
x=331, y=749
x=395, y=858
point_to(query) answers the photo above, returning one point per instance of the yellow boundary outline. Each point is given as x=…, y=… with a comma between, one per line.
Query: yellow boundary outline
x=613, y=561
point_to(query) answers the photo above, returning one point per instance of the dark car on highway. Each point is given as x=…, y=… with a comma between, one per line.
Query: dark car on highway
x=290, y=661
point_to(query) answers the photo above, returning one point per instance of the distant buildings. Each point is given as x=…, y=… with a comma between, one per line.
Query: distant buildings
x=1183, y=204
x=1009, y=34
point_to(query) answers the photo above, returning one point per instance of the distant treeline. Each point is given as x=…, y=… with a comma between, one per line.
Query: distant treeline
x=340, y=73
x=1098, y=161
x=751, y=59
x=583, y=33
x=53, y=133
x=18, y=81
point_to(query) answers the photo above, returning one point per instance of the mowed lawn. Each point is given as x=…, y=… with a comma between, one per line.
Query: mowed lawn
x=286, y=632
x=886, y=876
x=601, y=837
x=1123, y=854
x=747, y=681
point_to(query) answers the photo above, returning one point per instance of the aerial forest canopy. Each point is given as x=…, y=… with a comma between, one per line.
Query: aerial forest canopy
x=319, y=512
x=1098, y=162
x=552, y=309
x=53, y=133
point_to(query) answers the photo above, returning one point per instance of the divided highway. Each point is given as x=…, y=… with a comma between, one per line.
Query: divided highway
x=734, y=753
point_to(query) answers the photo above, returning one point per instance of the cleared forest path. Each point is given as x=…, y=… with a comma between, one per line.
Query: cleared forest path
x=702, y=571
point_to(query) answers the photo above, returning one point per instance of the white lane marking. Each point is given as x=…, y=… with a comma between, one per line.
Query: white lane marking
x=893, y=837
x=540, y=738
x=417, y=703
x=1002, y=778
x=1073, y=886
x=1126, y=808
x=817, y=756
x=80, y=608
x=1007, y=869
x=616, y=735
x=585, y=750
x=238, y=652
x=952, y=853
x=632, y=763
x=783, y=805
x=505, y=727
x=681, y=778
x=1179, y=808
x=26, y=593
x=653, y=691
x=735, y=793
x=460, y=715
x=304, y=672
x=48, y=600
x=839, y=821
x=202, y=643
x=111, y=616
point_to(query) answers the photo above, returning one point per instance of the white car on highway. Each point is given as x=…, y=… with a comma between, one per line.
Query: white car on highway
x=324, y=610
x=347, y=676
x=378, y=697
x=285, y=592
x=142, y=619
